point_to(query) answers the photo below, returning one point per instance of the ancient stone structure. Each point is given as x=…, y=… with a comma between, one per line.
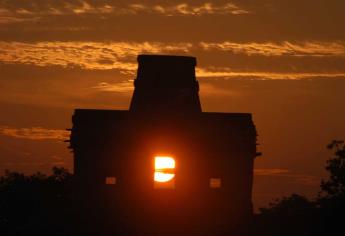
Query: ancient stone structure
x=115, y=150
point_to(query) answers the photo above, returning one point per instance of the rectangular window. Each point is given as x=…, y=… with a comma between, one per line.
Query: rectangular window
x=215, y=182
x=164, y=172
x=110, y=180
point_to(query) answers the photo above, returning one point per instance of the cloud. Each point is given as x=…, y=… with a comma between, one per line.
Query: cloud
x=203, y=9
x=34, y=133
x=14, y=12
x=86, y=55
x=87, y=8
x=270, y=172
x=8, y=16
x=315, y=49
x=121, y=56
x=210, y=89
x=308, y=180
x=121, y=87
x=229, y=73
x=151, y=20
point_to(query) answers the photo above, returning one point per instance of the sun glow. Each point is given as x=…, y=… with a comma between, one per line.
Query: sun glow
x=164, y=169
x=162, y=177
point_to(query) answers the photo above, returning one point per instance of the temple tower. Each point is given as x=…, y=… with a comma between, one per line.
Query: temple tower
x=120, y=189
x=166, y=84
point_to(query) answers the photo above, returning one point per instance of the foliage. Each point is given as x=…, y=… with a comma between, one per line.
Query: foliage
x=296, y=215
x=291, y=205
x=335, y=186
x=33, y=203
x=292, y=215
x=41, y=204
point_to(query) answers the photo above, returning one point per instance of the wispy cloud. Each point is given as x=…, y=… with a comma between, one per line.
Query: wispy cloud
x=309, y=180
x=269, y=172
x=84, y=7
x=121, y=56
x=229, y=73
x=8, y=15
x=87, y=55
x=14, y=12
x=316, y=49
x=121, y=87
x=207, y=8
x=34, y=133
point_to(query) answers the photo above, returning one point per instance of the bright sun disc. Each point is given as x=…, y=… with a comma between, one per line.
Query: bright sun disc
x=164, y=163
x=161, y=177
x=164, y=168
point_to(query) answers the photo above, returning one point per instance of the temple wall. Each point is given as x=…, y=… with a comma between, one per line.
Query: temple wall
x=121, y=144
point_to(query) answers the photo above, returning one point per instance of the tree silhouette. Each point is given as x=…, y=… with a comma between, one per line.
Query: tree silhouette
x=292, y=215
x=332, y=196
x=296, y=215
x=335, y=186
x=35, y=204
x=44, y=205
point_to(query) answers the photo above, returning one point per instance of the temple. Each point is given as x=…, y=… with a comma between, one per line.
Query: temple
x=206, y=185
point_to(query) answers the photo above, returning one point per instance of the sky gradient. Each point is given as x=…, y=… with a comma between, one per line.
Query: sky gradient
x=281, y=60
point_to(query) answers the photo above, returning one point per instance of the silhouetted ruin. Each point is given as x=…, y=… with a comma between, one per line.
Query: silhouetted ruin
x=115, y=151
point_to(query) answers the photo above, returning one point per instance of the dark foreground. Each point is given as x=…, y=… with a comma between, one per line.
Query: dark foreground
x=45, y=205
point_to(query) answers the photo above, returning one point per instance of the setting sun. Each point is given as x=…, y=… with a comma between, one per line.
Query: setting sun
x=164, y=169
x=162, y=177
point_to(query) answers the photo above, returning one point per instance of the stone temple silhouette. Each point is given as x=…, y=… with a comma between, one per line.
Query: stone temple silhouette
x=209, y=187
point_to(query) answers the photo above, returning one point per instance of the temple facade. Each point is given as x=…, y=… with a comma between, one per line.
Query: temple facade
x=164, y=166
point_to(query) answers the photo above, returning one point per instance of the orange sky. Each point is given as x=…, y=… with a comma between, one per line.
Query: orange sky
x=282, y=60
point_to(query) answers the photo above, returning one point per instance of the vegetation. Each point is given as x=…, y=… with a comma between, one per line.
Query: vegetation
x=35, y=204
x=296, y=215
x=41, y=204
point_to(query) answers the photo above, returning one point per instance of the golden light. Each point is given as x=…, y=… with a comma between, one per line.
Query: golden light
x=110, y=180
x=164, y=163
x=162, y=177
x=215, y=182
x=164, y=169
